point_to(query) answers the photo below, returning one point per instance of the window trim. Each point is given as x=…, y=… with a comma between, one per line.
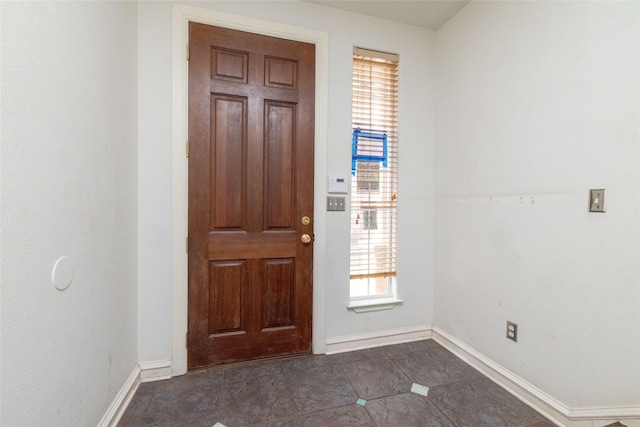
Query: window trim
x=374, y=302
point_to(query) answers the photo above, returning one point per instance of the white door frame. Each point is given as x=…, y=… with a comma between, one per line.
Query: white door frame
x=181, y=16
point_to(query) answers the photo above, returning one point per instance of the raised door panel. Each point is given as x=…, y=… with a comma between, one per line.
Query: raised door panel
x=279, y=208
x=228, y=187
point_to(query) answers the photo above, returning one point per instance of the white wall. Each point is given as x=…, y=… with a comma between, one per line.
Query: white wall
x=154, y=181
x=537, y=103
x=416, y=48
x=68, y=189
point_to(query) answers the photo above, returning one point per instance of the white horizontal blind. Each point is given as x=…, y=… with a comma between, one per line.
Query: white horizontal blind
x=374, y=184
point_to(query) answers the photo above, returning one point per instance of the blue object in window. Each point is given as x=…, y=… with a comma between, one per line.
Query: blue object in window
x=370, y=152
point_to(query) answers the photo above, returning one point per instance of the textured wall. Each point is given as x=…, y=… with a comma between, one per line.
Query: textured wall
x=69, y=174
x=537, y=103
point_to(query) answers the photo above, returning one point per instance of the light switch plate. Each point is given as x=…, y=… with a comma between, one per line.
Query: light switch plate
x=335, y=203
x=596, y=200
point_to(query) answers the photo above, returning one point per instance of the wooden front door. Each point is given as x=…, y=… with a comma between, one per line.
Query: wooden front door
x=251, y=129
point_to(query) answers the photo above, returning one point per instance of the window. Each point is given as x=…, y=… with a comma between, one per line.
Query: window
x=374, y=169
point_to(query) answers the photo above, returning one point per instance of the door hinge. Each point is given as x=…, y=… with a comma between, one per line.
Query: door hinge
x=186, y=244
x=187, y=148
x=188, y=51
x=186, y=339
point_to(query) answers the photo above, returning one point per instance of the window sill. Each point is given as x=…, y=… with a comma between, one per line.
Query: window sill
x=377, y=304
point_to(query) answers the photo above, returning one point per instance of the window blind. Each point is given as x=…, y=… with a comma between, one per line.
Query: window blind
x=374, y=184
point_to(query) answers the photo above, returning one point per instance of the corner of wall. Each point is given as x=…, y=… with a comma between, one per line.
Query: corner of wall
x=533, y=396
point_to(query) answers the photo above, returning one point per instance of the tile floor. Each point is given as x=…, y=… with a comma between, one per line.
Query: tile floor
x=324, y=390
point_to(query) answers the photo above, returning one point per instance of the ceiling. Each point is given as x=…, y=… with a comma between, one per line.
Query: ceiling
x=430, y=14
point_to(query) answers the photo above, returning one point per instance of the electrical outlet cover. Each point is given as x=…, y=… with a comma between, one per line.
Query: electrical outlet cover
x=596, y=200
x=512, y=331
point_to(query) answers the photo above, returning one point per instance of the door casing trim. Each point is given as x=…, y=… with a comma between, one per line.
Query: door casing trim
x=181, y=16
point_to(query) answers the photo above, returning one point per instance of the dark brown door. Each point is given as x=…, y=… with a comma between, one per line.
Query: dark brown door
x=251, y=118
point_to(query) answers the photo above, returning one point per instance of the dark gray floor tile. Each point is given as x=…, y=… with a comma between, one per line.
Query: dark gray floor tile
x=375, y=378
x=470, y=404
x=345, y=416
x=406, y=410
x=185, y=406
x=384, y=352
x=147, y=388
x=136, y=410
x=501, y=394
x=321, y=388
x=302, y=363
x=199, y=379
x=423, y=345
x=283, y=422
x=399, y=350
x=350, y=356
x=255, y=400
x=435, y=366
x=547, y=423
x=519, y=410
x=244, y=373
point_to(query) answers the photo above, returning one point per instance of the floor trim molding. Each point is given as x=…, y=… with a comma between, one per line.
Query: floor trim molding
x=377, y=339
x=122, y=399
x=548, y=406
x=155, y=370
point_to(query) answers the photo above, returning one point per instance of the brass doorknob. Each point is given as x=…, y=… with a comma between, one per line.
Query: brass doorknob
x=305, y=238
x=305, y=220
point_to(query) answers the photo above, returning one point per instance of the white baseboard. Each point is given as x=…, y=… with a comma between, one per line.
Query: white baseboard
x=548, y=406
x=377, y=339
x=120, y=403
x=155, y=370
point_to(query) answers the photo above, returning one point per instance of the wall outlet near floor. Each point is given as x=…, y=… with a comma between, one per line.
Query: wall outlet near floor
x=512, y=331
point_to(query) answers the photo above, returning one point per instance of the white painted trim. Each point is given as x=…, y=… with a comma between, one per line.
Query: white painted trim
x=122, y=399
x=181, y=16
x=155, y=370
x=179, y=37
x=608, y=413
x=377, y=339
x=542, y=402
x=373, y=304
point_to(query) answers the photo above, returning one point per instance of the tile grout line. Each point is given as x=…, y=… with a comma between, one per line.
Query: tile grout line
x=366, y=410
